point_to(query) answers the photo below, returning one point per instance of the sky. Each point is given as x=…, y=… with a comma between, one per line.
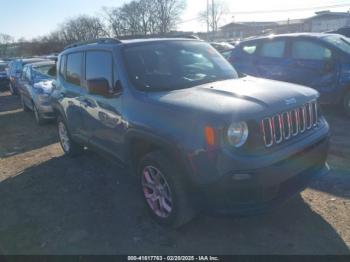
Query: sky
x=32, y=18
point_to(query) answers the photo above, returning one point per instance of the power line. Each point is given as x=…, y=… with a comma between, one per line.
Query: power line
x=290, y=10
x=273, y=11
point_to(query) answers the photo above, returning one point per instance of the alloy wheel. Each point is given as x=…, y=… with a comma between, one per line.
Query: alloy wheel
x=63, y=135
x=157, y=192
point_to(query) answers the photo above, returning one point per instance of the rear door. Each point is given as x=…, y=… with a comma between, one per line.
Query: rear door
x=313, y=64
x=71, y=93
x=271, y=60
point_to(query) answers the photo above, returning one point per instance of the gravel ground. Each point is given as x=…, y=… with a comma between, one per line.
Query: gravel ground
x=50, y=204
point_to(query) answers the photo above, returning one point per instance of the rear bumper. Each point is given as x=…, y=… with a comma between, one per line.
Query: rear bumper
x=267, y=187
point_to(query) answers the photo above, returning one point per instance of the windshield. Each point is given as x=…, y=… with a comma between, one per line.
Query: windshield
x=171, y=65
x=341, y=42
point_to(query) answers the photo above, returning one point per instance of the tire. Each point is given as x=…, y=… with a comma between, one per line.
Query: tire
x=24, y=106
x=12, y=90
x=38, y=118
x=69, y=147
x=347, y=103
x=175, y=208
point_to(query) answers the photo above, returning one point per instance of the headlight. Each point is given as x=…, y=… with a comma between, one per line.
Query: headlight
x=237, y=134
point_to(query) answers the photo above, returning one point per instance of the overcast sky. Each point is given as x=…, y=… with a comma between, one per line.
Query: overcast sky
x=31, y=18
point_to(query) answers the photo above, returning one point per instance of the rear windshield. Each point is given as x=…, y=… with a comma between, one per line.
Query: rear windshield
x=45, y=70
x=171, y=65
x=341, y=42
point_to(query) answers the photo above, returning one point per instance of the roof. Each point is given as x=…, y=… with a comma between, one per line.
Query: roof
x=312, y=35
x=96, y=43
x=43, y=63
x=323, y=14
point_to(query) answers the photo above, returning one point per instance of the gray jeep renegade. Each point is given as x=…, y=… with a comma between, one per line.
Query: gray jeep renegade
x=198, y=136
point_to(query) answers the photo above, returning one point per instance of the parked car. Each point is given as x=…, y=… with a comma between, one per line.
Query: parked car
x=197, y=136
x=4, y=80
x=35, y=87
x=15, y=71
x=320, y=61
x=345, y=31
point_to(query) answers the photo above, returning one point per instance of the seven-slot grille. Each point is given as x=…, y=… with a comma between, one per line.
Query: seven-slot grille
x=284, y=126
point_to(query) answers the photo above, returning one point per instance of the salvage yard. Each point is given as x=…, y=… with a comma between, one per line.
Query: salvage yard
x=51, y=204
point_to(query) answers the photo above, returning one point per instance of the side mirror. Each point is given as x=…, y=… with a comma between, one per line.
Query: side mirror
x=98, y=86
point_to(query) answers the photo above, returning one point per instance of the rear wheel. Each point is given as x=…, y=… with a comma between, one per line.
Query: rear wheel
x=164, y=190
x=70, y=147
x=12, y=89
x=24, y=106
x=347, y=103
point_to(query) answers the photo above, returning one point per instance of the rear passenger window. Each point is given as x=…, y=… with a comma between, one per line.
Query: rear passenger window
x=303, y=49
x=63, y=66
x=99, y=65
x=249, y=49
x=73, y=73
x=273, y=49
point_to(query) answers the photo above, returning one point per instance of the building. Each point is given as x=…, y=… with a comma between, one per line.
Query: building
x=322, y=22
x=328, y=21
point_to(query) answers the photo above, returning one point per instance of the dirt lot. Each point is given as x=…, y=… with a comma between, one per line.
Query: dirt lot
x=50, y=204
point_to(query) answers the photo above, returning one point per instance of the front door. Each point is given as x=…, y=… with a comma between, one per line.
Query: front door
x=314, y=65
x=102, y=115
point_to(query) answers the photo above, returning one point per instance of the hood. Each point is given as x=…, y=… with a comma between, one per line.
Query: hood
x=45, y=85
x=247, y=95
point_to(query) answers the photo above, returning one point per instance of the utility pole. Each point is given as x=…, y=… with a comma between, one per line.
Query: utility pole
x=207, y=16
x=213, y=14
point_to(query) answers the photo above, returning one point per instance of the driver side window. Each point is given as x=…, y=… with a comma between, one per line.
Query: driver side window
x=303, y=49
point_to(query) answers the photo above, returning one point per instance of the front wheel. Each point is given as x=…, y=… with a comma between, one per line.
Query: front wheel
x=347, y=103
x=165, y=190
x=70, y=147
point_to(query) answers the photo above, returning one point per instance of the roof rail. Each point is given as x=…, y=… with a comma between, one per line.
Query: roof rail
x=95, y=41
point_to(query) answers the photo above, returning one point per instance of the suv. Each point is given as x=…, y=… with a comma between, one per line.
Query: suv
x=320, y=61
x=196, y=136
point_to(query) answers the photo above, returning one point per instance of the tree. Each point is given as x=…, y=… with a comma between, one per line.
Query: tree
x=82, y=28
x=214, y=15
x=5, y=42
x=168, y=14
x=144, y=17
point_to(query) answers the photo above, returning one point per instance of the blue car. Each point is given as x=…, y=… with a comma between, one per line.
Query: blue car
x=15, y=71
x=320, y=61
x=35, y=87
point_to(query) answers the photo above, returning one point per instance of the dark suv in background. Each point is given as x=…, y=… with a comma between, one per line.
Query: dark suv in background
x=320, y=61
x=4, y=80
x=197, y=136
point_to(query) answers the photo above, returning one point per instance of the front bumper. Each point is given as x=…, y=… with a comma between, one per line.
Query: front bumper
x=267, y=187
x=46, y=110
